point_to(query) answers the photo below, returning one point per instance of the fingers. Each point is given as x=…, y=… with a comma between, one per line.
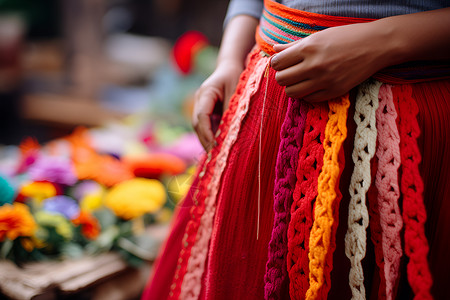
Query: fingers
x=291, y=75
x=288, y=56
x=204, y=131
x=313, y=91
x=302, y=89
x=203, y=108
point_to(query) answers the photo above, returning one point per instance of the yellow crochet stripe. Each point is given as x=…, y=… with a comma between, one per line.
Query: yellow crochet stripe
x=319, y=241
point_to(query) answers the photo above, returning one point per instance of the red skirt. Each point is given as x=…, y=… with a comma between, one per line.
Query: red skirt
x=223, y=243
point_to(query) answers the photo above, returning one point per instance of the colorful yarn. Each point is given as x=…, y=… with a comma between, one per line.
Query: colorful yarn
x=310, y=163
x=191, y=286
x=414, y=214
x=319, y=242
x=358, y=216
x=280, y=24
x=388, y=154
x=291, y=136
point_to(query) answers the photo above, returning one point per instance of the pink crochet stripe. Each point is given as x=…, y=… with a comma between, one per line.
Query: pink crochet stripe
x=388, y=153
x=191, y=286
x=291, y=137
x=205, y=175
x=414, y=214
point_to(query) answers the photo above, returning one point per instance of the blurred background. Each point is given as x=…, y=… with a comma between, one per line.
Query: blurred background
x=65, y=63
x=96, y=146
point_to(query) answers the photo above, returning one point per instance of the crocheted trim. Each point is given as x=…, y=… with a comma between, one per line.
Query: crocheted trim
x=200, y=194
x=191, y=286
x=291, y=135
x=310, y=163
x=363, y=151
x=414, y=214
x=388, y=154
x=319, y=241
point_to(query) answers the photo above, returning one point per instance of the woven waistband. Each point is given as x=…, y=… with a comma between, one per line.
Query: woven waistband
x=280, y=24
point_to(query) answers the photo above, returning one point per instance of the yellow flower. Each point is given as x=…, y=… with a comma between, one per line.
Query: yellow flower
x=38, y=190
x=56, y=221
x=133, y=198
x=16, y=220
x=93, y=201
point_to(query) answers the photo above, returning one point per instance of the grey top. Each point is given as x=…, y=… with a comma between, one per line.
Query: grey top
x=348, y=8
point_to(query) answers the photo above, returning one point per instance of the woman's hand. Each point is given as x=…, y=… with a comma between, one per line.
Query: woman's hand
x=237, y=41
x=329, y=63
x=219, y=86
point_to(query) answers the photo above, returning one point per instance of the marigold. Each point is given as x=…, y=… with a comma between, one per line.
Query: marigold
x=90, y=227
x=16, y=220
x=133, y=198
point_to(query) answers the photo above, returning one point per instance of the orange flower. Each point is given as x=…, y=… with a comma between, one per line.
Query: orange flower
x=104, y=169
x=16, y=220
x=90, y=227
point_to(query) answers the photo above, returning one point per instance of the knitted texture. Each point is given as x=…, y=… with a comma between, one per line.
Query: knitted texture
x=363, y=151
x=319, y=242
x=310, y=163
x=206, y=174
x=388, y=154
x=291, y=136
x=191, y=286
x=376, y=230
x=414, y=214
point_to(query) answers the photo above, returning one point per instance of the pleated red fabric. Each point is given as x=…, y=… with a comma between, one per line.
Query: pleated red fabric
x=236, y=260
x=234, y=235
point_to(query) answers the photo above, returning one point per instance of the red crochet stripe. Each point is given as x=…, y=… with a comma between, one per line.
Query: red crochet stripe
x=309, y=166
x=201, y=192
x=291, y=136
x=414, y=214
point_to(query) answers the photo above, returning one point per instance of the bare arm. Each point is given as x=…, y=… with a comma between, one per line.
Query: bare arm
x=331, y=62
x=237, y=41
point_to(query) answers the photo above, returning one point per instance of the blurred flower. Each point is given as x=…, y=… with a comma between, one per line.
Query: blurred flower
x=90, y=227
x=38, y=190
x=53, y=169
x=133, y=198
x=92, y=201
x=53, y=221
x=6, y=192
x=16, y=220
x=86, y=187
x=63, y=205
x=152, y=165
x=27, y=244
x=29, y=149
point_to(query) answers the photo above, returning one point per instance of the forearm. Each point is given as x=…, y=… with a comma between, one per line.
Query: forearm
x=238, y=39
x=419, y=36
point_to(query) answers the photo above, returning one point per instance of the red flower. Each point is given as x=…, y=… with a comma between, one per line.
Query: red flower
x=90, y=226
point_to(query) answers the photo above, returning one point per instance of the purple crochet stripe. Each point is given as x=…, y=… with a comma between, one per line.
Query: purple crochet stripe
x=287, y=159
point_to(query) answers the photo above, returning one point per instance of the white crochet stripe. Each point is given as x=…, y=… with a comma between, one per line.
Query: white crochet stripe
x=363, y=151
x=191, y=286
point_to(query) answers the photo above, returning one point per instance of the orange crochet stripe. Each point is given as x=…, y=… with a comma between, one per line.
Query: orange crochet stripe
x=320, y=237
